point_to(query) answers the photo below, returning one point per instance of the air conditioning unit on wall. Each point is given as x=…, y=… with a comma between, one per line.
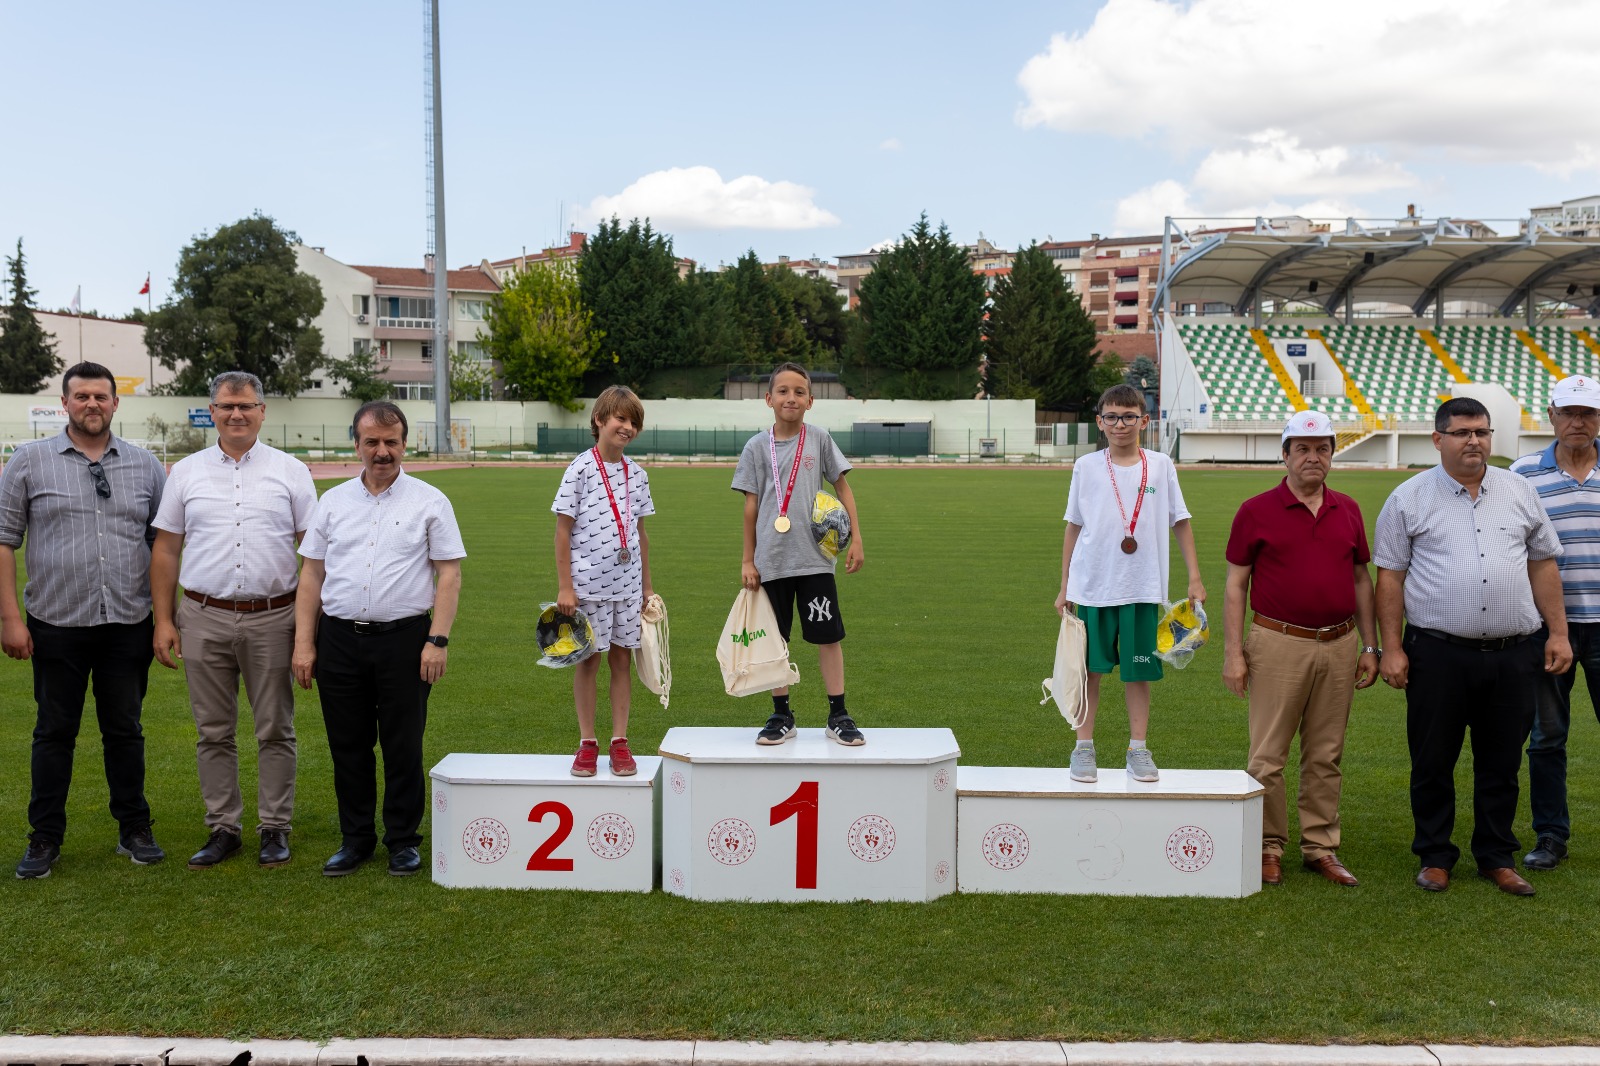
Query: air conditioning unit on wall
x=361, y=319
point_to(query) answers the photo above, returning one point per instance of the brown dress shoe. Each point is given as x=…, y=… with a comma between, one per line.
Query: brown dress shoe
x=1433, y=879
x=1271, y=868
x=1507, y=880
x=1330, y=867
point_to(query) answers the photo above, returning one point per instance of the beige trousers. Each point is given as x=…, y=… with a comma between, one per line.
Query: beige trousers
x=1300, y=686
x=220, y=647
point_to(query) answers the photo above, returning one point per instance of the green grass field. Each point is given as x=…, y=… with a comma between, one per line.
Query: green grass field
x=950, y=625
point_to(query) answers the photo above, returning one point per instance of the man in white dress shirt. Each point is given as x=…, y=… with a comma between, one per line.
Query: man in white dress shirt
x=227, y=528
x=364, y=631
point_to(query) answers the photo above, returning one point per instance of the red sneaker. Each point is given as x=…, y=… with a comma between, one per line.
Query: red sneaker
x=622, y=764
x=587, y=759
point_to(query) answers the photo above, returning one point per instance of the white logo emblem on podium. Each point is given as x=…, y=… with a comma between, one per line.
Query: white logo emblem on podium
x=441, y=802
x=610, y=836
x=871, y=838
x=1005, y=846
x=731, y=841
x=941, y=779
x=676, y=877
x=441, y=863
x=1189, y=849
x=486, y=840
x=679, y=782
x=941, y=872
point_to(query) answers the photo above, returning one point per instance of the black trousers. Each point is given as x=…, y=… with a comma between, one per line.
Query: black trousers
x=116, y=658
x=1453, y=689
x=373, y=694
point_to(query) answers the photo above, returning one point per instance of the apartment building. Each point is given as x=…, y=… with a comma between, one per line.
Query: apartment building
x=503, y=270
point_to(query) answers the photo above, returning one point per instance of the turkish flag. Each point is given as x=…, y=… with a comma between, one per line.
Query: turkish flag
x=146, y=290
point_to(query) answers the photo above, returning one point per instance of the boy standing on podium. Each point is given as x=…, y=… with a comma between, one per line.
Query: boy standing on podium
x=1121, y=503
x=603, y=566
x=780, y=473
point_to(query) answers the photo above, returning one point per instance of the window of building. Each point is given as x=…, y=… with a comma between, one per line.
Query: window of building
x=406, y=308
x=316, y=385
x=427, y=350
x=472, y=310
x=361, y=304
x=470, y=352
x=413, y=390
x=362, y=346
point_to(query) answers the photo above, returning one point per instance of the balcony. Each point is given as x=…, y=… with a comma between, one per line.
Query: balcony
x=1125, y=320
x=402, y=329
x=1126, y=272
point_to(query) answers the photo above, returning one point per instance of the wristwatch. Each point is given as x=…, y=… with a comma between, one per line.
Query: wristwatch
x=1370, y=650
x=437, y=641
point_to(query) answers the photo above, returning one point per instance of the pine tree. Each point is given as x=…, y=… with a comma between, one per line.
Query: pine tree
x=1039, y=334
x=628, y=277
x=922, y=306
x=27, y=353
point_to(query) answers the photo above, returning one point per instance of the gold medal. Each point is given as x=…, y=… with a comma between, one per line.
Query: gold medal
x=781, y=523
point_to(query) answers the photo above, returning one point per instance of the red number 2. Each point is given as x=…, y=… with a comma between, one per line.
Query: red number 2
x=802, y=804
x=541, y=859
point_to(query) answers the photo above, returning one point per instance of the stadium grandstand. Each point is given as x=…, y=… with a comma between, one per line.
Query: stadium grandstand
x=1372, y=322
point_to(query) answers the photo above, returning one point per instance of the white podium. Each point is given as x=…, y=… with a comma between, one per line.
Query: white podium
x=523, y=821
x=1030, y=829
x=809, y=819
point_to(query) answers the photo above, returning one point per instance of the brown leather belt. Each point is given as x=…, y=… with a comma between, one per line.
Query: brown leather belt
x=1325, y=633
x=241, y=606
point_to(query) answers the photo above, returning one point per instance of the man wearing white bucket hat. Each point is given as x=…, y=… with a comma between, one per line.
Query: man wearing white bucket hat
x=1568, y=483
x=1299, y=553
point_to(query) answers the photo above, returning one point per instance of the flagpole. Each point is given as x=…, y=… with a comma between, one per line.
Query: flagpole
x=150, y=385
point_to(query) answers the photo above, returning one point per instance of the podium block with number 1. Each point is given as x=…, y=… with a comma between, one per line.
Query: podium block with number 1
x=809, y=819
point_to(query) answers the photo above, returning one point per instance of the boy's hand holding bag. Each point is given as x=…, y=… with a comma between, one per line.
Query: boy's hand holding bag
x=753, y=656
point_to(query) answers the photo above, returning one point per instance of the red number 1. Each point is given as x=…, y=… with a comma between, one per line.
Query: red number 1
x=802, y=804
x=541, y=859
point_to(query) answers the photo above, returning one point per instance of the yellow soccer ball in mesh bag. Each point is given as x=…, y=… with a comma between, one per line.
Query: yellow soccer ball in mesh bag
x=830, y=525
x=565, y=640
x=1181, y=632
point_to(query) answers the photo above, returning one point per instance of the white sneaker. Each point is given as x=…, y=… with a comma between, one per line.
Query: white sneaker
x=1083, y=766
x=1142, y=765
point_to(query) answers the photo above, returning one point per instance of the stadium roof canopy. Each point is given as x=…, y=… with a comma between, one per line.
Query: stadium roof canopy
x=1419, y=266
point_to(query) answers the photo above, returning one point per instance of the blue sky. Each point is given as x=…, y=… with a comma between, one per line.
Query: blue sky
x=791, y=129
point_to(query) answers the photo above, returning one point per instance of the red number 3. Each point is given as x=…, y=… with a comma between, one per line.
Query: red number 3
x=541, y=859
x=802, y=805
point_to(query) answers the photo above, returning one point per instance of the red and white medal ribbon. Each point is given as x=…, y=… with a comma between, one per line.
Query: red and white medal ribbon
x=781, y=523
x=624, y=556
x=1129, y=543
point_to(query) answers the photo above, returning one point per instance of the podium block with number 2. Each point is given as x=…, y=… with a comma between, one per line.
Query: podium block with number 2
x=808, y=819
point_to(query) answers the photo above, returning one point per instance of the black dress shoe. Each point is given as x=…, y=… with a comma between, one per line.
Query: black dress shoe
x=274, y=847
x=1546, y=854
x=221, y=844
x=347, y=860
x=404, y=862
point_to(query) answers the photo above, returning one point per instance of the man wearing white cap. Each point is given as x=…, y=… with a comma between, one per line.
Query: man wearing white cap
x=1568, y=484
x=1299, y=554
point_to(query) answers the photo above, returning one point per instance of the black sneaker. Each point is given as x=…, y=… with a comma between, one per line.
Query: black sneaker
x=140, y=846
x=1546, y=854
x=220, y=845
x=37, y=860
x=842, y=730
x=779, y=728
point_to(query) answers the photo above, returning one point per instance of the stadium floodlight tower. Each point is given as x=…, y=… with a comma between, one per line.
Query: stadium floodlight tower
x=434, y=136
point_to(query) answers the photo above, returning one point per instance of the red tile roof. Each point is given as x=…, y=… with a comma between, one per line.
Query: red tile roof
x=471, y=278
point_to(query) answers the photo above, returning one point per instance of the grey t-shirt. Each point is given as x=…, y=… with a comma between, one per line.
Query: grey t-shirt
x=795, y=552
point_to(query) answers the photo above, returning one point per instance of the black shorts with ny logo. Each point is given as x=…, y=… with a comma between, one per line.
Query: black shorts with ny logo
x=816, y=596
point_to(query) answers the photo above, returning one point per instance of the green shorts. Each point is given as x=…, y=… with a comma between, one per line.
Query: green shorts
x=1123, y=636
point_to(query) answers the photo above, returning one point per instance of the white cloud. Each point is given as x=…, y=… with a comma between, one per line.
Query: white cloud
x=1481, y=80
x=892, y=144
x=1142, y=211
x=698, y=198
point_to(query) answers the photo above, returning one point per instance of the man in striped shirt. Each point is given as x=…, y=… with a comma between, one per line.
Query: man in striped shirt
x=1568, y=484
x=84, y=500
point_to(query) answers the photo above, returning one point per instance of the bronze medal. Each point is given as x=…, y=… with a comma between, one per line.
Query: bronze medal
x=781, y=523
x=1129, y=545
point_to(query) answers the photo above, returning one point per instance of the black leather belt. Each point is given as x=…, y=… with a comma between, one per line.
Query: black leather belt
x=241, y=606
x=1480, y=643
x=364, y=629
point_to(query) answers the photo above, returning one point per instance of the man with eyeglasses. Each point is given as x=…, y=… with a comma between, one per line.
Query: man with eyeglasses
x=227, y=529
x=1468, y=557
x=84, y=501
x=1568, y=483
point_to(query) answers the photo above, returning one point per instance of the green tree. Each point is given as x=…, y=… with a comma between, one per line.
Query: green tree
x=628, y=278
x=1039, y=334
x=711, y=336
x=769, y=331
x=239, y=303
x=27, y=353
x=1106, y=373
x=361, y=376
x=820, y=311
x=1144, y=375
x=470, y=379
x=542, y=334
x=922, y=306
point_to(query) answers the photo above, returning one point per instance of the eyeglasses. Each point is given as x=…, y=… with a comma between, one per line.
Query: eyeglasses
x=1120, y=420
x=1576, y=414
x=101, y=485
x=242, y=408
x=1469, y=434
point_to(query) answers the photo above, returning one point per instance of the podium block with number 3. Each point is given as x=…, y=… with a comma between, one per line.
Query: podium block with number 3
x=523, y=821
x=808, y=819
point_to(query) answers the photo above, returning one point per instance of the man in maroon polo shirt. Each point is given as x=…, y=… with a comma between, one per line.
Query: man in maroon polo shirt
x=1299, y=553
